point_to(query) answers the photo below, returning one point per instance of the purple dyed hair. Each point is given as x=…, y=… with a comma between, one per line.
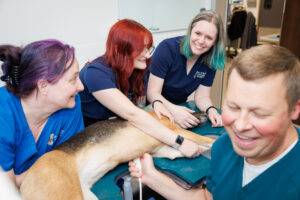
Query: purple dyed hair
x=44, y=59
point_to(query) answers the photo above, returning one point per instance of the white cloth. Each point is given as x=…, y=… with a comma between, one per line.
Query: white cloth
x=7, y=189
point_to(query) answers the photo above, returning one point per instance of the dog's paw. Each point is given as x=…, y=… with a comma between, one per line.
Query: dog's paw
x=167, y=152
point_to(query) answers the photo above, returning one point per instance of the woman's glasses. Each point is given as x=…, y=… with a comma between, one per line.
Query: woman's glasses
x=149, y=50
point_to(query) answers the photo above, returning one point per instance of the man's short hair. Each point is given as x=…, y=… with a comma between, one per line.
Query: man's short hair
x=265, y=60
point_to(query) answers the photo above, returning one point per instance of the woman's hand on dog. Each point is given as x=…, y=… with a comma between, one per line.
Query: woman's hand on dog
x=190, y=149
x=160, y=110
x=215, y=118
x=183, y=116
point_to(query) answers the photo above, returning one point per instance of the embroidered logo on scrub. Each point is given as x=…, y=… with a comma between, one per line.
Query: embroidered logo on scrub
x=54, y=138
x=199, y=74
x=51, y=139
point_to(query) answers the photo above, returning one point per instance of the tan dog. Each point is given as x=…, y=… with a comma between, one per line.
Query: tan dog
x=69, y=172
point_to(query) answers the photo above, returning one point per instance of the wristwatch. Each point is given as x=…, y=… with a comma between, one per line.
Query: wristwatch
x=178, y=142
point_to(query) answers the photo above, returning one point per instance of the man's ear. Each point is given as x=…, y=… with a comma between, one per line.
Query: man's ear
x=296, y=110
x=42, y=86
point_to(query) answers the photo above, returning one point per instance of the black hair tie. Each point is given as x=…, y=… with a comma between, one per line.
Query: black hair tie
x=15, y=76
x=157, y=100
x=5, y=78
x=210, y=107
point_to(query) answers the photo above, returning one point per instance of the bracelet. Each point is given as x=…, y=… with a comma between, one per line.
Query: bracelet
x=157, y=100
x=209, y=109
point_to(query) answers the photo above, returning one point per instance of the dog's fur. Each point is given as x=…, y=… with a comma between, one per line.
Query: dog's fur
x=70, y=171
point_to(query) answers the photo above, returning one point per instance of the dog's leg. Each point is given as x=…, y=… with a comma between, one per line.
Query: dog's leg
x=171, y=153
x=52, y=177
x=87, y=193
x=201, y=140
x=167, y=152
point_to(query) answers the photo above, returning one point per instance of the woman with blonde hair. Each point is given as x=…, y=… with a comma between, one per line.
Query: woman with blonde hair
x=186, y=65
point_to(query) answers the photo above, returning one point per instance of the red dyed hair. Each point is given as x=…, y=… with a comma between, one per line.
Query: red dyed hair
x=126, y=41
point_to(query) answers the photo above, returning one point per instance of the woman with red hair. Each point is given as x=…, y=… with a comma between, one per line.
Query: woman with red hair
x=115, y=84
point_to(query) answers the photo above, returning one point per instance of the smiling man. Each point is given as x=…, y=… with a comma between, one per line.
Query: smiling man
x=259, y=157
x=261, y=149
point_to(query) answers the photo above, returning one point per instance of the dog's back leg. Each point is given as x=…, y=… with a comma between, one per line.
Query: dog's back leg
x=52, y=177
x=87, y=193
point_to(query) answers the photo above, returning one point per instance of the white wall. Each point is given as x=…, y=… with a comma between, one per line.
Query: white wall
x=82, y=23
x=162, y=15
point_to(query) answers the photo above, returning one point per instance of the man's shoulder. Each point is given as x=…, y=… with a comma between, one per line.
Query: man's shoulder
x=222, y=141
x=291, y=168
x=298, y=131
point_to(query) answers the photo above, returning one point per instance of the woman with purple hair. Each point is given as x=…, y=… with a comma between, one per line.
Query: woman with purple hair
x=39, y=105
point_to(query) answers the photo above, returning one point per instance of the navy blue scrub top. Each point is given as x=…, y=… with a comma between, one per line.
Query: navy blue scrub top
x=96, y=76
x=169, y=64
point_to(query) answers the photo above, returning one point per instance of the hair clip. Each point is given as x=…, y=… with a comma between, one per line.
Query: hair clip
x=4, y=78
x=15, y=75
